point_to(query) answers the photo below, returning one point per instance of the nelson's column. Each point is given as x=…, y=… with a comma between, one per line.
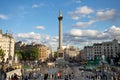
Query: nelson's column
x=60, y=49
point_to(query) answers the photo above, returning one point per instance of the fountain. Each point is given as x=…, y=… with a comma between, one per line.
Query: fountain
x=16, y=64
x=103, y=59
x=104, y=67
x=16, y=58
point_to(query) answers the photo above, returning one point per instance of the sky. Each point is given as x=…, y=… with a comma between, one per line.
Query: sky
x=84, y=21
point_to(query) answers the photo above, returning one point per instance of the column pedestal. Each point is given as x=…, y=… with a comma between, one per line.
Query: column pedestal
x=60, y=53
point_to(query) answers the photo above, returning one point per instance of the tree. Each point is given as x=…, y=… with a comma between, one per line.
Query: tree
x=30, y=54
x=34, y=53
x=2, y=54
x=25, y=54
x=55, y=55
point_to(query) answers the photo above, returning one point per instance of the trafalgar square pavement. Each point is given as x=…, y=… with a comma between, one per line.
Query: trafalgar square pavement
x=39, y=74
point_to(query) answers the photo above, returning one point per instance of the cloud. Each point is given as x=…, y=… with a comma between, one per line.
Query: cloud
x=76, y=36
x=40, y=27
x=113, y=31
x=55, y=39
x=83, y=33
x=30, y=35
x=84, y=24
x=101, y=15
x=4, y=17
x=81, y=12
x=78, y=1
x=53, y=42
x=37, y=5
x=106, y=14
x=47, y=37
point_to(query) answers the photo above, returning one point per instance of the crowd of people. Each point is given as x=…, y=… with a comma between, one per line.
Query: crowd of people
x=99, y=75
x=43, y=73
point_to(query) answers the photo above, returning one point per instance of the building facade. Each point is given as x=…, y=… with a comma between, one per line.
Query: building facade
x=7, y=44
x=89, y=54
x=108, y=49
x=42, y=52
x=70, y=53
x=97, y=49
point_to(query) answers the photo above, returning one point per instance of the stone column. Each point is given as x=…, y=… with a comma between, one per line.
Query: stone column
x=60, y=17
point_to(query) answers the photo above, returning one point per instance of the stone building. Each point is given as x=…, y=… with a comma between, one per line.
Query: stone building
x=7, y=44
x=71, y=53
x=89, y=54
x=42, y=52
x=97, y=49
x=109, y=49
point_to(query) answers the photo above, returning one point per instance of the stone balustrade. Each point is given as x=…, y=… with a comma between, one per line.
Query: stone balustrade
x=17, y=71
